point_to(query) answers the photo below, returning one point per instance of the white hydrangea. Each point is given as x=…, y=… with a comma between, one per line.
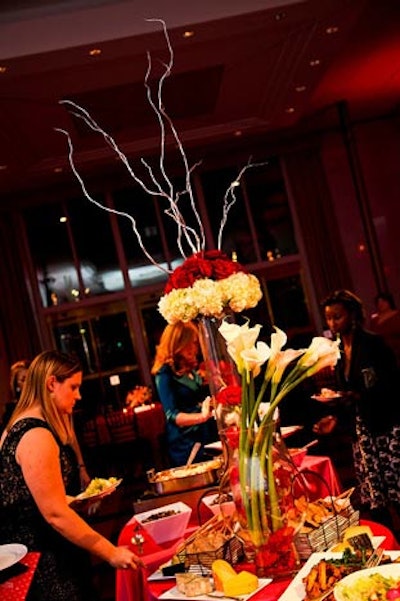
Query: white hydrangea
x=239, y=291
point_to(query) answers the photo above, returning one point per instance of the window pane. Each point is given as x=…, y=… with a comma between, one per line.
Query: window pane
x=270, y=210
x=91, y=230
x=52, y=254
x=76, y=339
x=236, y=234
x=113, y=341
x=139, y=205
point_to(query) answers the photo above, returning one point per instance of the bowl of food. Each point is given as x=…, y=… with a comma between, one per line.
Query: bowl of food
x=165, y=523
x=220, y=503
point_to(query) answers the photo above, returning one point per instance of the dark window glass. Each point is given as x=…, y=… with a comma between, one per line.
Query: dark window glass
x=141, y=207
x=270, y=211
x=236, y=235
x=92, y=234
x=52, y=254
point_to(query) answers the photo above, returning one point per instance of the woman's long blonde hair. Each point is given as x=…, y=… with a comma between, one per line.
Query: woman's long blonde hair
x=174, y=339
x=44, y=365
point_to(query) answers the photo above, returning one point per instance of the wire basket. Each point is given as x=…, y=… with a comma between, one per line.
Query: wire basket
x=330, y=531
x=214, y=540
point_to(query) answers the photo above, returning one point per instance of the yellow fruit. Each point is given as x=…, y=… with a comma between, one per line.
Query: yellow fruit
x=243, y=583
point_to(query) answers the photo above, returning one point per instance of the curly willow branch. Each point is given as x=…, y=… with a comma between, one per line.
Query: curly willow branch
x=162, y=187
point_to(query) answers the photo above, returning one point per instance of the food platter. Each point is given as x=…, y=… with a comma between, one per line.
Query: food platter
x=349, y=586
x=177, y=479
x=296, y=590
x=11, y=554
x=176, y=595
x=107, y=489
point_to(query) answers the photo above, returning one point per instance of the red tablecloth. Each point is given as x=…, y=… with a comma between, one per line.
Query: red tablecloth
x=133, y=586
x=16, y=588
x=320, y=477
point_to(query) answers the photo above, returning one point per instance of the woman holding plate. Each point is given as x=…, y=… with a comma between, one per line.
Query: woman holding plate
x=38, y=470
x=366, y=379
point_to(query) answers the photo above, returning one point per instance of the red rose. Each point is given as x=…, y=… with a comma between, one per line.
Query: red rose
x=212, y=264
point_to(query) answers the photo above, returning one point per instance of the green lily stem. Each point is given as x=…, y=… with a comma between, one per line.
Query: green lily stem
x=256, y=461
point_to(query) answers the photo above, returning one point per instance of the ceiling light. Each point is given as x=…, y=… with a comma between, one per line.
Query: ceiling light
x=57, y=170
x=315, y=62
x=188, y=34
x=300, y=88
x=3, y=167
x=3, y=69
x=332, y=29
x=63, y=219
x=290, y=109
x=95, y=52
x=279, y=16
x=238, y=133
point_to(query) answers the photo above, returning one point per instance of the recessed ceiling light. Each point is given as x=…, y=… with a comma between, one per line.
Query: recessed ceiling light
x=301, y=88
x=57, y=170
x=290, y=109
x=3, y=68
x=95, y=52
x=279, y=16
x=332, y=29
x=63, y=219
x=315, y=62
x=237, y=133
x=3, y=167
x=188, y=33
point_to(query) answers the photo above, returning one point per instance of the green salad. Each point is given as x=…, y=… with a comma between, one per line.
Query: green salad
x=372, y=587
x=98, y=485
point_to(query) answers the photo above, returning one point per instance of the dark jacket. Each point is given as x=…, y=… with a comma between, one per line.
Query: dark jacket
x=373, y=378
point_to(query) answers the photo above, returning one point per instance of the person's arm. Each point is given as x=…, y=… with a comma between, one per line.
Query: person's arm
x=38, y=455
x=167, y=394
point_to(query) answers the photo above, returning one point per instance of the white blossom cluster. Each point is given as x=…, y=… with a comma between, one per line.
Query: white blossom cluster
x=210, y=298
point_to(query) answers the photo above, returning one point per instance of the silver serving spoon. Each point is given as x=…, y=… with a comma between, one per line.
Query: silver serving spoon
x=193, y=454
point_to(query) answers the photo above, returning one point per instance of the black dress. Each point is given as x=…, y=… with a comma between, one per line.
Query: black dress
x=374, y=419
x=64, y=570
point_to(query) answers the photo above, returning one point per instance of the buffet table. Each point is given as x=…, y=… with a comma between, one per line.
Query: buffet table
x=133, y=585
x=15, y=588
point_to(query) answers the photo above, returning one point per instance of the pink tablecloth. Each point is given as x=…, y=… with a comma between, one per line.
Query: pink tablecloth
x=16, y=588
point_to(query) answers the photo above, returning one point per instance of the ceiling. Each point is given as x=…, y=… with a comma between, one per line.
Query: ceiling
x=252, y=67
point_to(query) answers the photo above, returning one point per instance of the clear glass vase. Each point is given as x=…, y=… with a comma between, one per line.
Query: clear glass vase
x=267, y=489
x=222, y=377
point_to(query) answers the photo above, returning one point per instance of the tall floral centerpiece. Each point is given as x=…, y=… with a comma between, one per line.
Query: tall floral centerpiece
x=264, y=484
x=207, y=287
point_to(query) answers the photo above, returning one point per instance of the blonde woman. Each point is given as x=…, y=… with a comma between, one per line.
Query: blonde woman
x=39, y=470
x=187, y=406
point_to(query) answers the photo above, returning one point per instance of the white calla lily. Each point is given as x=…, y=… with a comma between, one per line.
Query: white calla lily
x=254, y=358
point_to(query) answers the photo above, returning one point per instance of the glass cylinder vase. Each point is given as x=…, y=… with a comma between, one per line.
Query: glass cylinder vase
x=221, y=373
x=269, y=497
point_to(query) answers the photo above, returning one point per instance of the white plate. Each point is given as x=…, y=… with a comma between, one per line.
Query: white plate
x=11, y=554
x=173, y=593
x=296, y=590
x=98, y=495
x=350, y=581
